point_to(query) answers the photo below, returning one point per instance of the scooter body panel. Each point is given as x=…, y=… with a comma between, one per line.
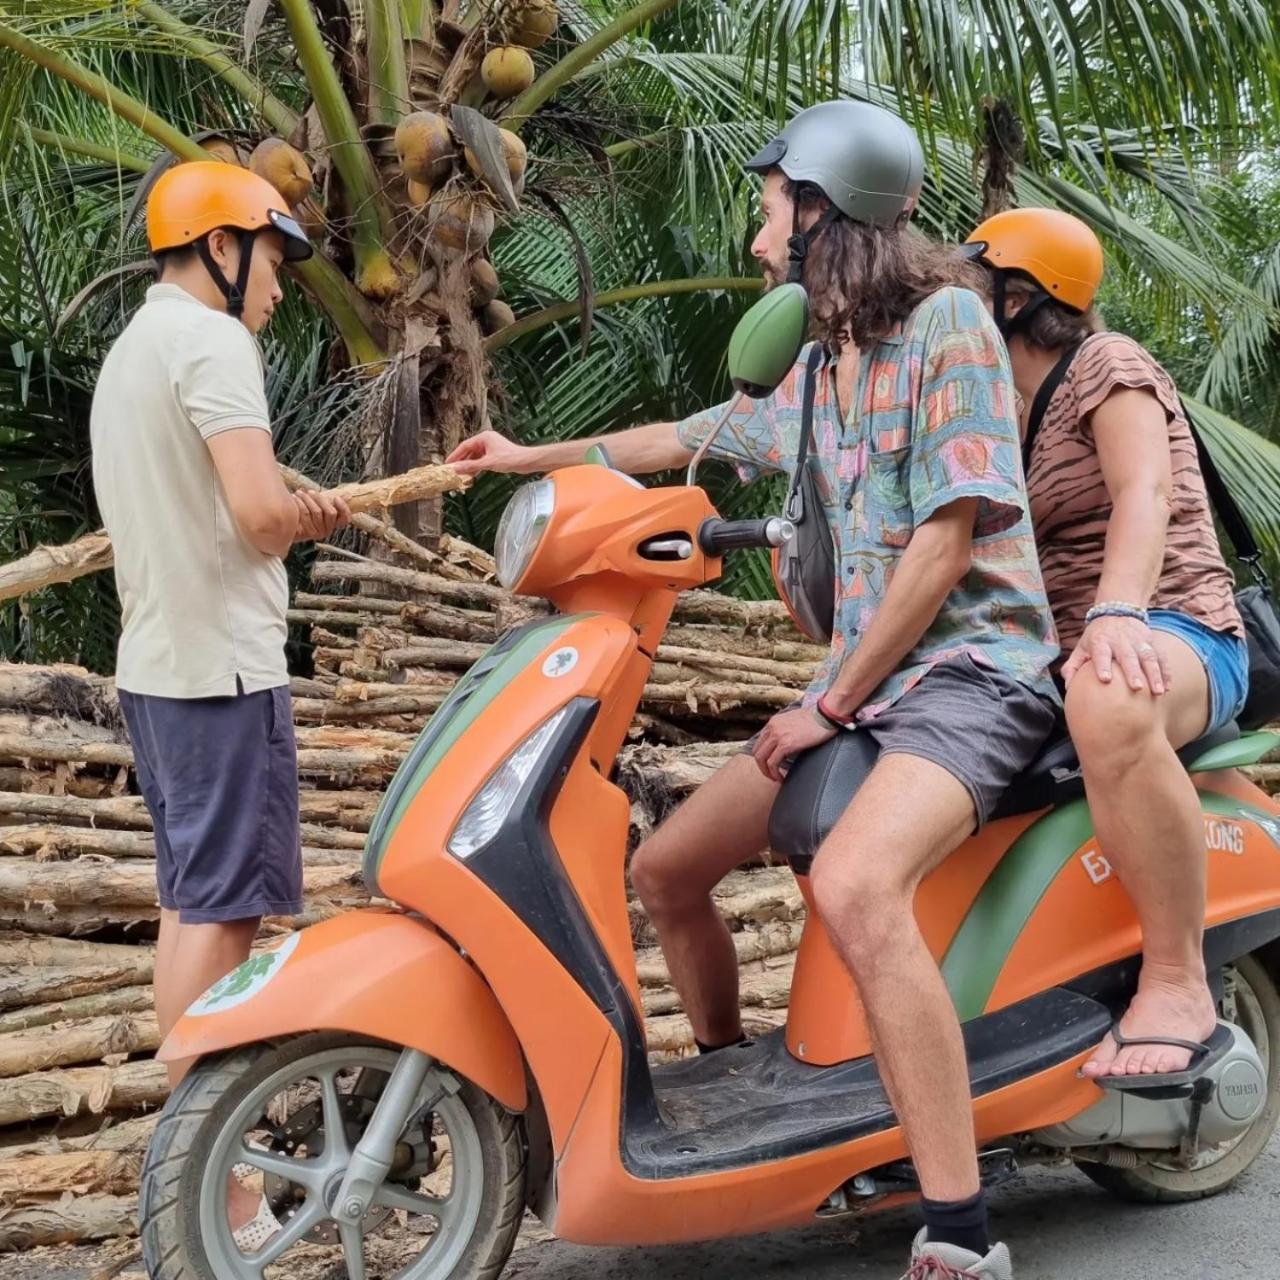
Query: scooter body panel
x=374, y=973
x=573, y=829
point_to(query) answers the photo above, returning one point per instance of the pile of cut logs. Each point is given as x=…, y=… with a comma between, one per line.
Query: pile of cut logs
x=78, y=916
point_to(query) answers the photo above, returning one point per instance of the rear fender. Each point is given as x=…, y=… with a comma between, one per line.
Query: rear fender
x=375, y=973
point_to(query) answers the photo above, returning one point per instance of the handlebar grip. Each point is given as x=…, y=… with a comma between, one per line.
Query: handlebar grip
x=715, y=536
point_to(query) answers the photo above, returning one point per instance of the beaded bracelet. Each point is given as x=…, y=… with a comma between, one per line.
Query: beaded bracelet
x=1115, y=609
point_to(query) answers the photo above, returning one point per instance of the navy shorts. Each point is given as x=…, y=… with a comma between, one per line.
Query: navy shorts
x=220, y=780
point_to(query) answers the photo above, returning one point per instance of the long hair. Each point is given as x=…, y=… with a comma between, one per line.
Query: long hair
x=1052, y=326
x=864, y=280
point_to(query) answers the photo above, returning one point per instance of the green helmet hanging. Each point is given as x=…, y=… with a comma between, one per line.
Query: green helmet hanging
x=864, y=159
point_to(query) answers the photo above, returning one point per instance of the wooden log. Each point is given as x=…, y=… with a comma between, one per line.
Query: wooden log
x=67, y=1044
x=735, y=640
x=19, y=949
x=359, y=606
x=710, y=606
x=716, y=695
x=83, y=1090
x=93, y=884
x=79, y=1008
x=111, y=811
x=59, y=781
x=349, y=708
x=56, y=842
x=30, y=985
x=450, y=621
x=74, y=922
x=784, y=673
x=440, y=653
x=65, y=689
x=111, y=1133
x=757, y=942
x=353, y=810
x=673, y=1035
x=70, y=1219
x=473, y=594
x=26, y=1180
x=71, y=750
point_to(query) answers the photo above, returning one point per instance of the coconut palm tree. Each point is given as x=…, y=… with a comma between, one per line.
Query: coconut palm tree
x=534, y=215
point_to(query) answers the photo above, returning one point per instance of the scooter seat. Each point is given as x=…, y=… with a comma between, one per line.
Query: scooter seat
x=822, y=782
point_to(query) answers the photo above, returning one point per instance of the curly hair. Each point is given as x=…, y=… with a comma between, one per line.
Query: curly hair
x=864, y=280
x=1053, y=327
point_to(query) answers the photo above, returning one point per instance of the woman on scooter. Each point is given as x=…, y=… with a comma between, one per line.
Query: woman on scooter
x=1153, y=643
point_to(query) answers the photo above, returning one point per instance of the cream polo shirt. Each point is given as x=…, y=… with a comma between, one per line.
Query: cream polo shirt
x=202, y=605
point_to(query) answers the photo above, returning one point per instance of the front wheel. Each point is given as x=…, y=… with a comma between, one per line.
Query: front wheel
x=1252, y=1001
x=275, y=1122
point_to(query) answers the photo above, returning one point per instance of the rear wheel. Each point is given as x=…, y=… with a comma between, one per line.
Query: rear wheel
x=1251, y=1001
x=280, y=1119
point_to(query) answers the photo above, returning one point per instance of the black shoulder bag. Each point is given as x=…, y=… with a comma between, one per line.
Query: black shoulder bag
x=804, y=569
x=1256, y=604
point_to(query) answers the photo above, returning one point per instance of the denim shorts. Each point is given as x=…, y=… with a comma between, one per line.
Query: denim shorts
x=220, y=779
x=1224, y=656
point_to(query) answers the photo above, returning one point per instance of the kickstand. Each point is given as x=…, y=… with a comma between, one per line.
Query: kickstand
x=1189, y=1147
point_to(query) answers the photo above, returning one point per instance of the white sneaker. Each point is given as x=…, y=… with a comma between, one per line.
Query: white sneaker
x=950, y=1262
x=258, y=1230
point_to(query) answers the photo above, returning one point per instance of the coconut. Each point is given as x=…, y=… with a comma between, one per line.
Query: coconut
x=419, y=192
x=507, y=71
x=220, y=149
x=534, y=23
x=284, y=167
x=497, y=315
x=484, y=282
x=425, y=146
x=458, y=222
x=517, y=157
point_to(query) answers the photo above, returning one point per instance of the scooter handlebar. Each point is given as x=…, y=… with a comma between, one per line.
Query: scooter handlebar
x=716, y=536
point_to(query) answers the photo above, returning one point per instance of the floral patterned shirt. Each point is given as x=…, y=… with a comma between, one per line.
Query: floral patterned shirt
x=933, y=420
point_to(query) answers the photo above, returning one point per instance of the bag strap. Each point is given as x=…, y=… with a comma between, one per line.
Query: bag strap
x=795, y=501
x=1040, y=405
x=1228, y=510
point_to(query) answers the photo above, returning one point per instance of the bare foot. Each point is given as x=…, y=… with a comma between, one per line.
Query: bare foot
x=1176, y=1006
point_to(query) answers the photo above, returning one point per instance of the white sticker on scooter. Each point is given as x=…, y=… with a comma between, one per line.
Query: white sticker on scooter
x=245, y=982
x=560, y=663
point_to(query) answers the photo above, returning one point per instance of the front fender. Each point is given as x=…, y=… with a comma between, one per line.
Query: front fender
x=372, y=972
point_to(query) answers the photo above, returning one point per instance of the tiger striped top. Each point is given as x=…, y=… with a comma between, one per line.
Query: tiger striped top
x=1070, y=506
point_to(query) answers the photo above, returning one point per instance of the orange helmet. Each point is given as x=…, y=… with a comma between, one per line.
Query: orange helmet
x=1056, y=250
x=190, y=200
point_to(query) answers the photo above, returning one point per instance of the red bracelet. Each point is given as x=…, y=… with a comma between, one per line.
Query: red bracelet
x=845, y=722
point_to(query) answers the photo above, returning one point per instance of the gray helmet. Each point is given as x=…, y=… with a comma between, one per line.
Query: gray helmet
x=864, y=159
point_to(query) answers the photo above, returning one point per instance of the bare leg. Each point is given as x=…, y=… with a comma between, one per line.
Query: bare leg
x=1126, y=740
x=190, y=958
x=864, y=882
x=722, y=825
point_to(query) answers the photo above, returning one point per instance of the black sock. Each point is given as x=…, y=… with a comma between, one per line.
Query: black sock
x=713, y=1048
x=959, y=1222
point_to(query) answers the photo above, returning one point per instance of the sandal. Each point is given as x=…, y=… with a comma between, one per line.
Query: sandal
x=1204, y=1054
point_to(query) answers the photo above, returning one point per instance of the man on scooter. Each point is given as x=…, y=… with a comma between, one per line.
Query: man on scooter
x=942, y=639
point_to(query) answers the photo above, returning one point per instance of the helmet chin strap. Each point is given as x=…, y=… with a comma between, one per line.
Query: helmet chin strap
x=800, y=242
x=233, y=293
x=1007, y=324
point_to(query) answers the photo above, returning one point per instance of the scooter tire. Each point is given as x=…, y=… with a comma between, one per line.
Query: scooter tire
x=179, y=1150
x=1152, y=1183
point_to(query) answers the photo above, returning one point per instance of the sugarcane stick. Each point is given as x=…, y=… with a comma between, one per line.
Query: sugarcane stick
x=48, y=565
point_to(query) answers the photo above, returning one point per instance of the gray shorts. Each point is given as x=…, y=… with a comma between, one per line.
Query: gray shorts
x=220, y=779
x=980, y=725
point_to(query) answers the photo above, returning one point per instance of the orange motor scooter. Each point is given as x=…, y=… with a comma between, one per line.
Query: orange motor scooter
x=401, y=1084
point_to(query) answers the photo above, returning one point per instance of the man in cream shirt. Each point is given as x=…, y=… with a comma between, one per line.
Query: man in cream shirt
x=200, y=521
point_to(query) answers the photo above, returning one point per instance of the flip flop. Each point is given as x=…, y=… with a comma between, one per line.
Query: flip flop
x=1204, y=1054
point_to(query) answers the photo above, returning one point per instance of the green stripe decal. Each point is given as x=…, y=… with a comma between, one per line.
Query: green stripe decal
x=1248, y=749
x=1006, y=902
x=485, y=680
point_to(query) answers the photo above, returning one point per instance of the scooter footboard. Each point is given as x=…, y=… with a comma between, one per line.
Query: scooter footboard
x=372, y=972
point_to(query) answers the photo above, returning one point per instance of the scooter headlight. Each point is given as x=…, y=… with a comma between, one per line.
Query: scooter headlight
x=521, y=529
x=483, y=817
